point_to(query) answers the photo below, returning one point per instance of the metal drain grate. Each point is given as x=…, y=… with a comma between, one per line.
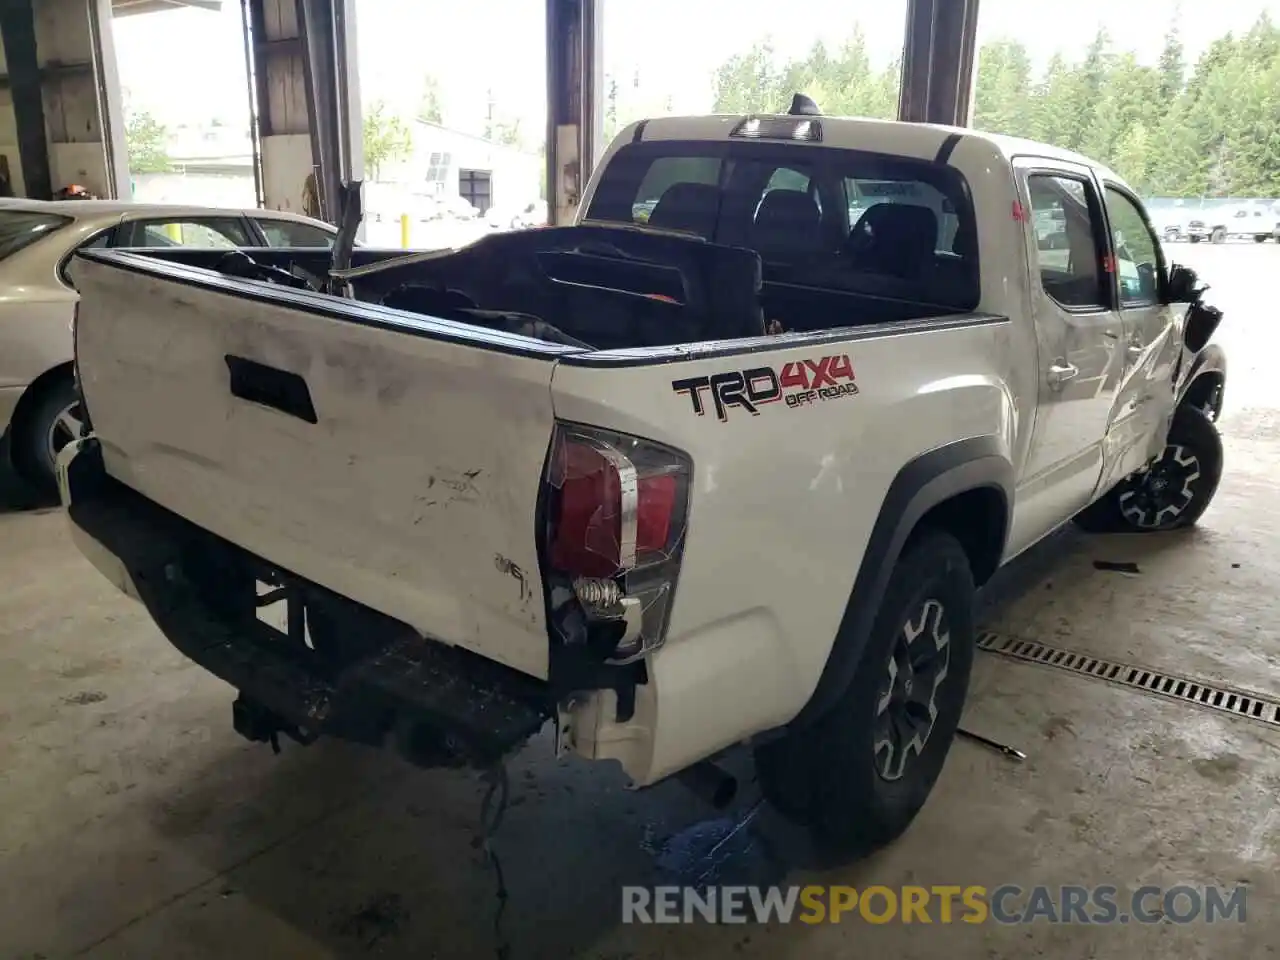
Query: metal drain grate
x=1251, y=706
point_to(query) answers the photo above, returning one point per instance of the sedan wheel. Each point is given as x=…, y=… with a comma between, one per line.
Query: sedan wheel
x=66, y=426
x=47, y=423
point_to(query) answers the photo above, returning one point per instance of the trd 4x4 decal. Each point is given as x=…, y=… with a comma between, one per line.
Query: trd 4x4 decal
x=798, y=384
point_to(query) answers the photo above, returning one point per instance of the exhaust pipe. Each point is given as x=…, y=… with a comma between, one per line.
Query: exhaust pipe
x=708, y=782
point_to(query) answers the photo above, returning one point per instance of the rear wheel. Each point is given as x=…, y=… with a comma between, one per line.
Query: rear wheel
x=1194, y=239
x=858, y=776
x=49, y=423
x=1261, y=238
x=1171, y=493
x=1219, y=235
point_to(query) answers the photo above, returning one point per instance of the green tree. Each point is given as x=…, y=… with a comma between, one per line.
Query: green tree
x=386, y=138
x=1173, y=66
x=506, y=132
x=611, y=124
x=749, y=82
x=431, y=106
x=147, y=140
x=1002, y=95
x=1211, y=128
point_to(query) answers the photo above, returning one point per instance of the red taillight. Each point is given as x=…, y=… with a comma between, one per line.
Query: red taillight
x=616, y=513
x=611, y=513
x=654, y=512
x=588, y=525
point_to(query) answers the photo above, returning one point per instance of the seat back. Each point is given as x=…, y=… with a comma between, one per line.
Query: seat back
x=895, y=238
x=787, y=225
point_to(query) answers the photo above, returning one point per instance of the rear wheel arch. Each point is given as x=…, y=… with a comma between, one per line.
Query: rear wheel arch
x=964, y=488
x=36, y=390
x=62, y=371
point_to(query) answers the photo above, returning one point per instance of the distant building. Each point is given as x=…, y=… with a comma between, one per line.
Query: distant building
x=210, y=165
x=446, y=162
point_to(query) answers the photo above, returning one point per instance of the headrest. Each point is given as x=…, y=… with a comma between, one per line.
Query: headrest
x=788, y=221
x=895, y=238
x=692, y=207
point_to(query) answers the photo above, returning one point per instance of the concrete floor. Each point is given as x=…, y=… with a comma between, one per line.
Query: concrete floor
x=135, y=823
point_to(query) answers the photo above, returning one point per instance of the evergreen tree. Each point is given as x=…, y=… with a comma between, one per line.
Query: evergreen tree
x=1212, y=130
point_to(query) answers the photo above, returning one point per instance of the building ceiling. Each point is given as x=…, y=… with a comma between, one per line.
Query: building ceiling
x=128, y=8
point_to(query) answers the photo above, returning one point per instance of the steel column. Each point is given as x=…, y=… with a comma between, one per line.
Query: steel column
x=305, y=88
x=938, y=61
x=575, y=108
x=110, y=98
x=17, y=24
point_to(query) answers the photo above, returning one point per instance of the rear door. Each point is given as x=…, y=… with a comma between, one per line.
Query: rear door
x=1079, y=336
x=1150, y=332
x=394, y=459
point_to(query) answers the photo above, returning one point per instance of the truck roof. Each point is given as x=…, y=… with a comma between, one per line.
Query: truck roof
x=923, y=140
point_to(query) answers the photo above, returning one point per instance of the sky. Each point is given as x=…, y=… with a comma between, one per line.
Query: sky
x=188, y=65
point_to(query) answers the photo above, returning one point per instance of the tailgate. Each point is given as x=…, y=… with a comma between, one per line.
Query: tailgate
x=392, y=459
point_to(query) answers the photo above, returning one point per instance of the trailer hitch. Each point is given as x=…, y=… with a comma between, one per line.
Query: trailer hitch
x=257, y=724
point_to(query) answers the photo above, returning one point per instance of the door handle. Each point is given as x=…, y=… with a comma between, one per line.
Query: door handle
x=1061, y=372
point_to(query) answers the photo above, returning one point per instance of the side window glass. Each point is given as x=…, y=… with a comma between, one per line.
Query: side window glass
x=1065, y=229
x=286, y=233
x=1137, y=265
x=202, y=234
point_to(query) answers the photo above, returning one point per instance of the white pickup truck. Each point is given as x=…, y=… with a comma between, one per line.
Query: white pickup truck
x=730, y=476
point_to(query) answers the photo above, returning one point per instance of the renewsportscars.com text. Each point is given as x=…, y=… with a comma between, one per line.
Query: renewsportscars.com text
x=1008, y=904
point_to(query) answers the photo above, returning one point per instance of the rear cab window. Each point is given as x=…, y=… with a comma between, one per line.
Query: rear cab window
x=834, y=228
x=21, y=228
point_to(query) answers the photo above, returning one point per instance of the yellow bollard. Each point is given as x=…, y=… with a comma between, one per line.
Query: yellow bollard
x=404, y=231
x=174, y=231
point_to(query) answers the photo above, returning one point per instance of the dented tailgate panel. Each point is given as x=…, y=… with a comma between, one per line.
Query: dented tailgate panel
x=399, y=470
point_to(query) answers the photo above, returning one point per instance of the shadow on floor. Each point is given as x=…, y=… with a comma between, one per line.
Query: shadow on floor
x=15, y=496
x=355, y=851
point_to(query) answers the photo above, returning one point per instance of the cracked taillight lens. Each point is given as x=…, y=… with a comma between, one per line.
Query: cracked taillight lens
x=617, y=508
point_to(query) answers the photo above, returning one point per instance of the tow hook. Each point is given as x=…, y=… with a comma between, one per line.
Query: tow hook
x=257, y=724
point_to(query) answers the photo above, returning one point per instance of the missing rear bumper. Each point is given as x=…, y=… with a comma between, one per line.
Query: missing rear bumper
x=441, y=705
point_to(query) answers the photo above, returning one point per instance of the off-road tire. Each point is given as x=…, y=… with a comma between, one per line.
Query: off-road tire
x=1194, y=432
x=825, y=776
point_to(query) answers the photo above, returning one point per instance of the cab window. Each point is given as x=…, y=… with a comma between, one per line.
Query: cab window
x=833, y=228
x=1067, y=227
x=1136, y=251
